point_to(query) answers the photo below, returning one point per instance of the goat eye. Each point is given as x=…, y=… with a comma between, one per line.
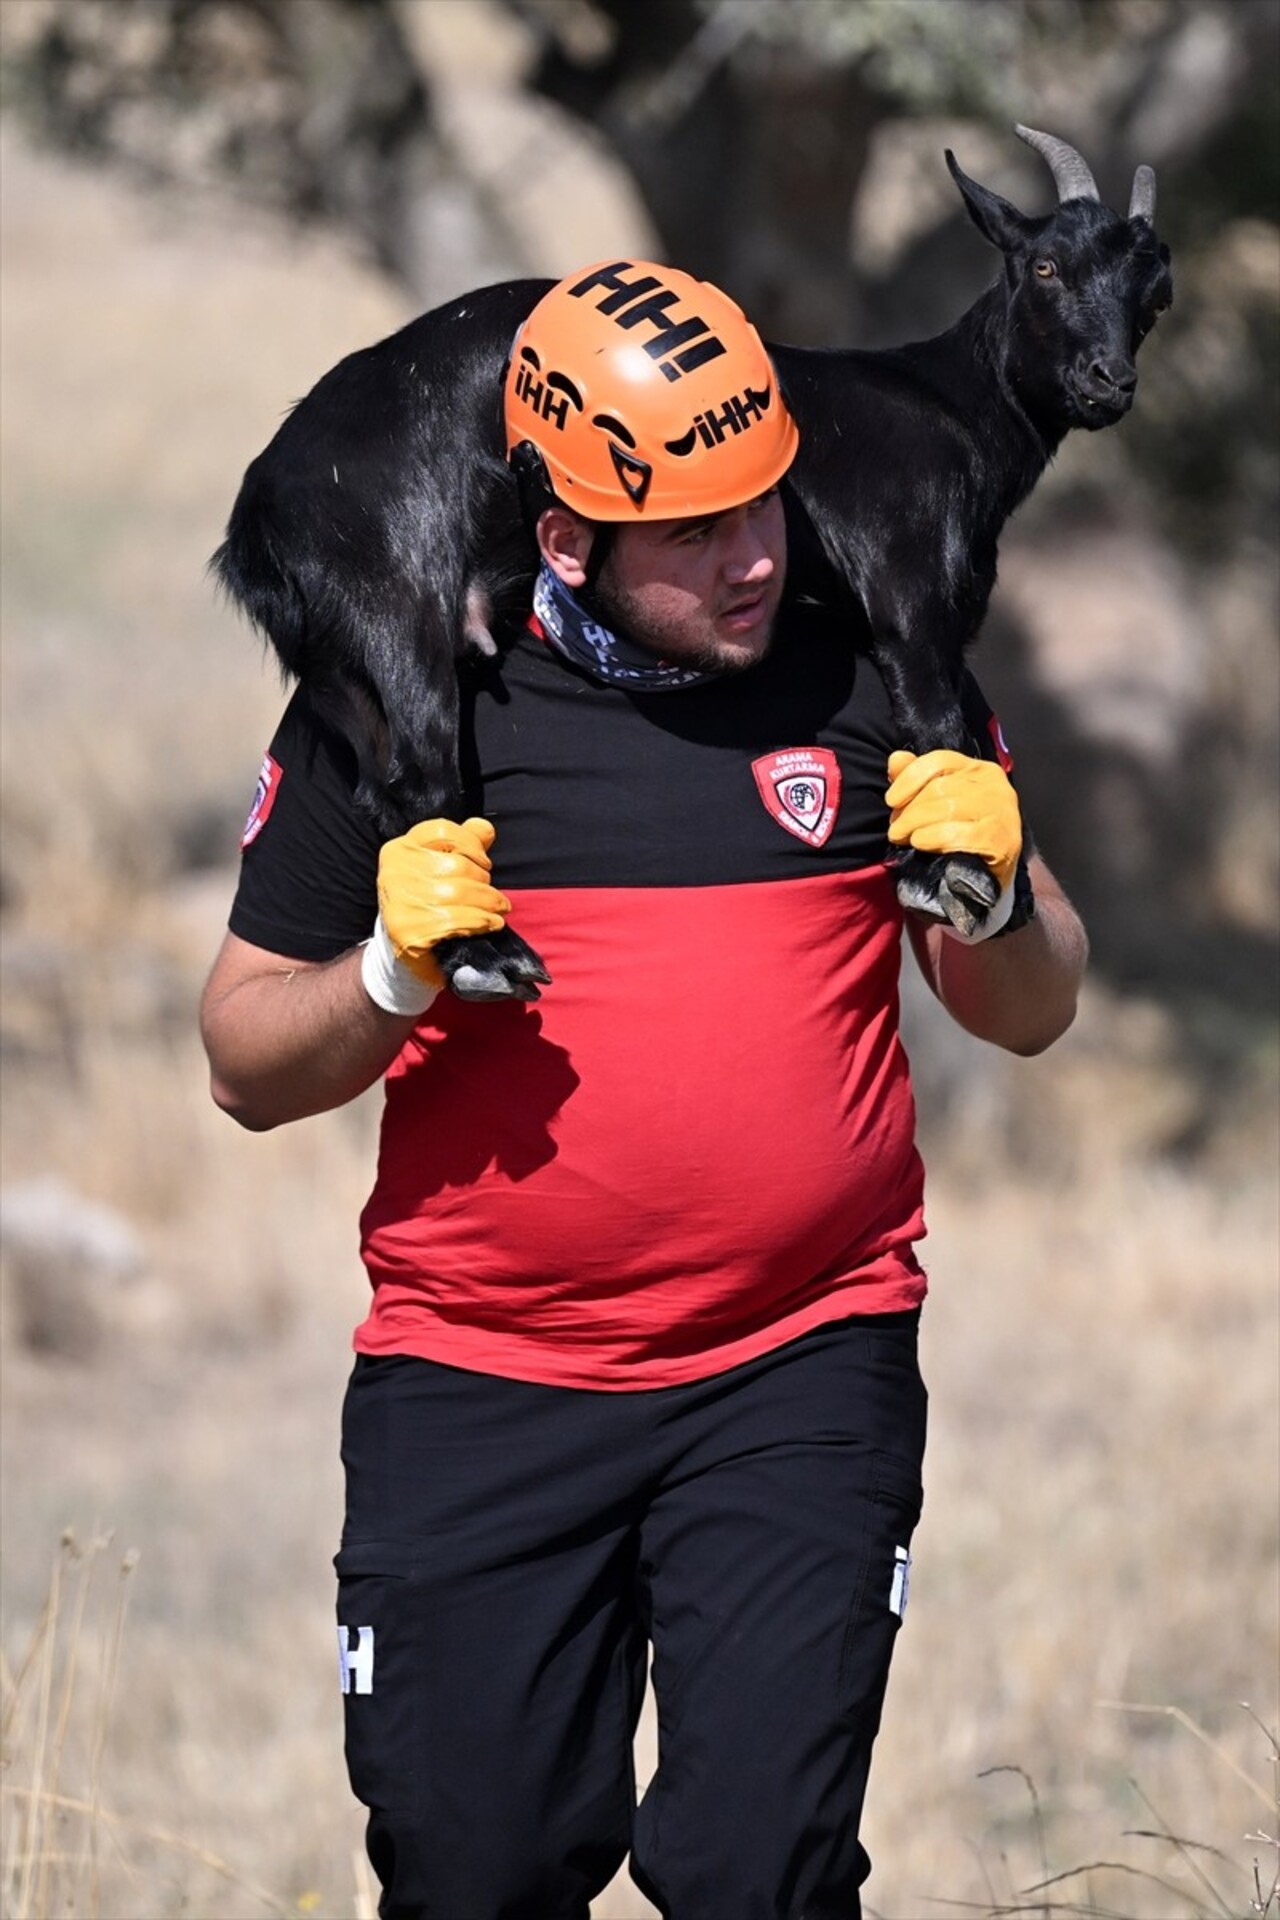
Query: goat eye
x=1045, y=270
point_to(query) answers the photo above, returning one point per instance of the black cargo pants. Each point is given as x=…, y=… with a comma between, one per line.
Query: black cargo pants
x=511, y=1552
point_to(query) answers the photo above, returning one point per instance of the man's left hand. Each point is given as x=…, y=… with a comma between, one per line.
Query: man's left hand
x=944, y=802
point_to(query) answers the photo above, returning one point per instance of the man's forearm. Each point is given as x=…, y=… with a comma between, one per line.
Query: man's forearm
x=287, y=1039
x=1018, y=991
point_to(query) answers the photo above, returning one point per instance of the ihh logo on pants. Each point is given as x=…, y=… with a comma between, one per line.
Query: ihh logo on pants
x=901, y=1581
x=355, y=1664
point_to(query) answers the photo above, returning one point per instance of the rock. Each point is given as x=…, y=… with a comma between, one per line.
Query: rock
x=67, y=1263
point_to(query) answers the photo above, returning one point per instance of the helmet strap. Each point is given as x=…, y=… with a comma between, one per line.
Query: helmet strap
x=533, y=484
x=601, y=547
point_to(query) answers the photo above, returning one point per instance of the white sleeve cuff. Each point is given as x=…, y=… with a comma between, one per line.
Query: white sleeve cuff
x=997, y=918
x=388, y=982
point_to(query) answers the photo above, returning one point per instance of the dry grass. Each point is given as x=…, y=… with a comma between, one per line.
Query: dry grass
x=1101, y=1343
x=1101, y=1525
x=64, y=1849
x=60, y=1839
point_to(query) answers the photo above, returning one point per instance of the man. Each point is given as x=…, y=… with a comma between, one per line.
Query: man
x=640, y=1366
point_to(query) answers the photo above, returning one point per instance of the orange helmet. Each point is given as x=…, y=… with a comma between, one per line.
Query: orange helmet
x=648, y=394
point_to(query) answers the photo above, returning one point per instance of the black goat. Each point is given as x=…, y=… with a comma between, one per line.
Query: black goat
x=381, y=525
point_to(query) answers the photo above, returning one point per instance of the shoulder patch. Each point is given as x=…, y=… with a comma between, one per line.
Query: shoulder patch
x=270, y=775
x=800, y=787
x=1001, y=745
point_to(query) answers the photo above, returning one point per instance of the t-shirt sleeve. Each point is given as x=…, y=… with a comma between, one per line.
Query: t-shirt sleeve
x=984, y=724
x=308, y=873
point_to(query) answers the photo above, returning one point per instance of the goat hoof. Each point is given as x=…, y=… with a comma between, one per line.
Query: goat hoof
x=961, y=913
x=971, y=879
x=920, y=881
x=488, y=983
x=495, y=966
x=953, y=889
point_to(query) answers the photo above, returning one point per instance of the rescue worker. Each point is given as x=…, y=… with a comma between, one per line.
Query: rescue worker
x=638, y=1376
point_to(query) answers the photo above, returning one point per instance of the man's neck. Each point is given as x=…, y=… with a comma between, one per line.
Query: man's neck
x=608, y=656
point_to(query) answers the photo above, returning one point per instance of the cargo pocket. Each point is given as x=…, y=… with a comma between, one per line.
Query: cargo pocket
x=880, y=1602
x=382, y=1664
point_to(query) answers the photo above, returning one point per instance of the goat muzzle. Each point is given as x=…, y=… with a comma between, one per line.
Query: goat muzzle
x=1105, y=387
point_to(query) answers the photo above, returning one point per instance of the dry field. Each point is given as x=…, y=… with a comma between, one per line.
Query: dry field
x=1095, y=1590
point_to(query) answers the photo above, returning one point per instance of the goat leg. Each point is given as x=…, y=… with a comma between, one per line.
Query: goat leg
x=955, y=888
x=486, y=966
x=421, y=782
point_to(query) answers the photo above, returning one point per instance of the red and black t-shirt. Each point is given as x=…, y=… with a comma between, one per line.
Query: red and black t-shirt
x=700, y=1142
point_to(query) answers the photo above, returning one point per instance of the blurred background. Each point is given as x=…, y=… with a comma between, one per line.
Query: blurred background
x=205, y=204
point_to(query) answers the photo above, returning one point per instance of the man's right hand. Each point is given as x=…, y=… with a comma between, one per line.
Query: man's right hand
x=287, y=1038
x=433, y=885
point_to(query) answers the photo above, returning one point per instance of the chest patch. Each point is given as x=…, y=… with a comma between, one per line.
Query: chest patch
x=800, y=787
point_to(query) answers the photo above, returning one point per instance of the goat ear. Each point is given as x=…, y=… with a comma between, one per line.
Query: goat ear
x=997, y=220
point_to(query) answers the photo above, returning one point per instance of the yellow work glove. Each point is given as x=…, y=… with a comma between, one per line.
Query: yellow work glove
x=944, y=802
x=433, y=885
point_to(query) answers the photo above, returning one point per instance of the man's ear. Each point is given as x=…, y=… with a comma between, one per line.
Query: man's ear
x=564, y=541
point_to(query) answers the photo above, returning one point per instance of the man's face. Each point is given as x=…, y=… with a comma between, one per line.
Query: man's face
x=702, y=593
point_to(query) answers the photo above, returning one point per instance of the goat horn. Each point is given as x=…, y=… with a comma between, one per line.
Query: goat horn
x=1070, y=172
x=1142, y=201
